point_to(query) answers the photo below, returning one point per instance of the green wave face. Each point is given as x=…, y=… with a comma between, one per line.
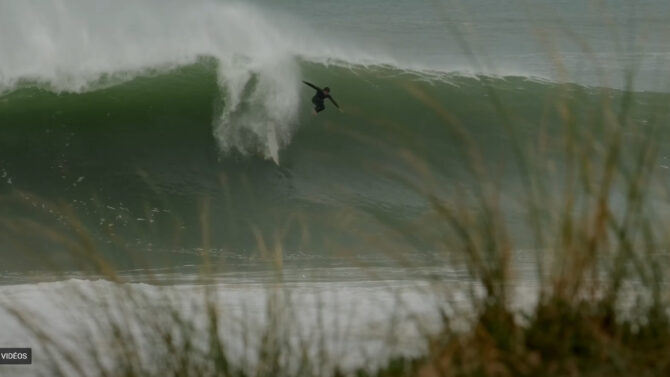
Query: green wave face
x=142, y=160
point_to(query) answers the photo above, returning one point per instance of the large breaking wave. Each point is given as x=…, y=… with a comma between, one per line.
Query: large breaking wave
x=79, y=46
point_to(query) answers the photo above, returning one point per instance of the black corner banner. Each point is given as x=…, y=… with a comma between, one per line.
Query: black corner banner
x=16, y=356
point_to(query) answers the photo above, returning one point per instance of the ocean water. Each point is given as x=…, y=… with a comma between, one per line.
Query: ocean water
x=169, y=127
x=159, y=134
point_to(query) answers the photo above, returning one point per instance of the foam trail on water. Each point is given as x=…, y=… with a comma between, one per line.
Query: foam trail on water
x=82, y=45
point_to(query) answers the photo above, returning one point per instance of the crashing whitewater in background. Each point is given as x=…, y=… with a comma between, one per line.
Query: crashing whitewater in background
x=80, y=45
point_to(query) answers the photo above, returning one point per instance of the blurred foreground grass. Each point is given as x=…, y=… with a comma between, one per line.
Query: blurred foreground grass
x=592, y=199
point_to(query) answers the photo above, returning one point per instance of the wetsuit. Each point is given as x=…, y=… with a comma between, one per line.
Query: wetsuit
x=319, y=97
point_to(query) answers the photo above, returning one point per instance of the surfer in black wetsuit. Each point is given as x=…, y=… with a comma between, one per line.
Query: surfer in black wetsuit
x=320, y=96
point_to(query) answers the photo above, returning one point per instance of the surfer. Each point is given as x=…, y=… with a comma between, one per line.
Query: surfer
x=320, y=96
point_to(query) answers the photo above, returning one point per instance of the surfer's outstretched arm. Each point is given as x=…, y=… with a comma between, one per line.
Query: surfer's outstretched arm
x=333, y=101
x=312, y=85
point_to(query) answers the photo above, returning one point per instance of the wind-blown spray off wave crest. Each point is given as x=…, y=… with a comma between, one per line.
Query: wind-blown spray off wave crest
x=83, y=45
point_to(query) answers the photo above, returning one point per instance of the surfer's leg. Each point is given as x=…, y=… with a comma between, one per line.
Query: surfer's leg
x=318, y=104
